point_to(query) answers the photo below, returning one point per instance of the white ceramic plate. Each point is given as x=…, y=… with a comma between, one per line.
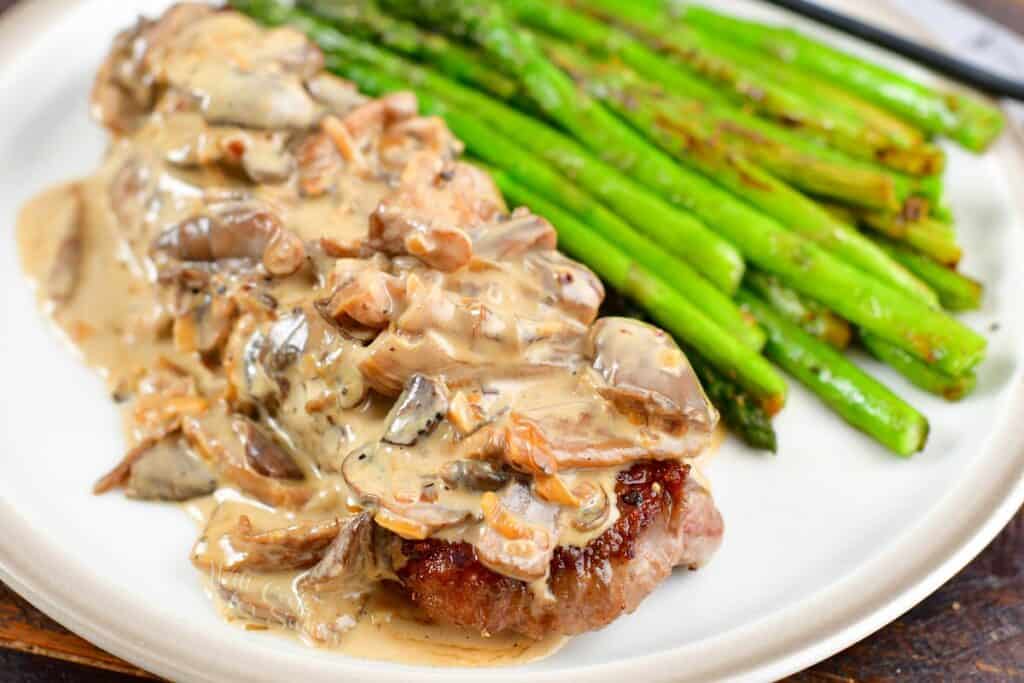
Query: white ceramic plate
x=825, y=543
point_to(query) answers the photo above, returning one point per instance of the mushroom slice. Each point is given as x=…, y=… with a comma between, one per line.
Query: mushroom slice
x=293, y=547
x=645, y=374
x=338, y=95
x=287, y=339
x=232, y=542
x=417, y=411
x=347, y=566
x=215, y=440
x=572, y=285
x=261, y=597
x=264, y=100
x=513, y=236
x=169, y=470
x=319, y=165
x=67, y=260
x=234, y=230
x=518, y=536
x=263, y=453
x=206, y=327
x=474, y=475
x=402, y=498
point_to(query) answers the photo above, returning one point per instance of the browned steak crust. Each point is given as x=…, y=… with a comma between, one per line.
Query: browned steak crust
x=665, y=520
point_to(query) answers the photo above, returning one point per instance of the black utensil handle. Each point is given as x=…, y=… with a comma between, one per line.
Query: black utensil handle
x=962, y=71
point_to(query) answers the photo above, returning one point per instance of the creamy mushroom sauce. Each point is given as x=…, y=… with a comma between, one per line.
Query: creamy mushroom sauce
x=314, y=316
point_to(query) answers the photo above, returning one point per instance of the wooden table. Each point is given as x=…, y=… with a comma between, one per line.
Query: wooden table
x=971, y=628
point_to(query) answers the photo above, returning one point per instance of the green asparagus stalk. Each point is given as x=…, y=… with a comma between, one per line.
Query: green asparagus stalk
x=926, y=235
x=694, y=146
x=804, y=162
x=822, y=323
x=828, y=94
x=759, y=91
x=665, y=305
x=920, y=374
x=861, y=400
x=860, y=298
x=928, y=334
x=744, y=416
x=969, y=121
x=811, y=316
x=845, y=179
x=365, y=20
x=956, y=291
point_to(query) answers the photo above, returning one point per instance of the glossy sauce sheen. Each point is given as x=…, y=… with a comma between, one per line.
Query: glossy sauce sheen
x=310, y=311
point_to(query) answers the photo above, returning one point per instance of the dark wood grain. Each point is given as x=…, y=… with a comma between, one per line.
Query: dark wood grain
x=970, y=629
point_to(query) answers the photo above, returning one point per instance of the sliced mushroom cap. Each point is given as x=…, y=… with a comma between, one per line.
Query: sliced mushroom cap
x=169, y=470
x=475, y=475
x=405, y=501
x=243, y=537
x=570, y=285
x=205, y=327
x=287, y=339
x=646, y=374
x=262, y=597
x=234, y=230
x=67, y=260
x=263, y=453
x=267, y=100
x=338, y=95
x=347, y=566
x=214, y=437
x=513, y=235
x=417, y=411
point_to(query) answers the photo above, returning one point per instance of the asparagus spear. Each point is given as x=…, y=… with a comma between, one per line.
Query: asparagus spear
x=848, y=180
x=699, y=149
x=811, y=316
x=858, y=398
x=744, y=416
x=956, y=291
x=928, y=236
x=861, y=299
x=688, y=50
x=969, y=121
x=363, y=19
x=822, y=323
x=920, y=374
x=830, y=94
x=665, y=305
x=928, y=334
x=772, y=196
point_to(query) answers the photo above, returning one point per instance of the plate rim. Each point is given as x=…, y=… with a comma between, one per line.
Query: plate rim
x=60, y=601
